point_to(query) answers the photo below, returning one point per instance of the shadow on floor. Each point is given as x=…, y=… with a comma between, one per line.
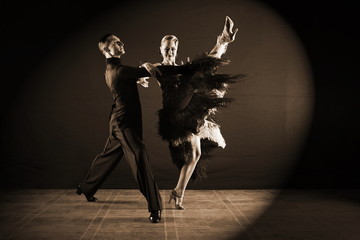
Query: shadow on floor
x=309, y=215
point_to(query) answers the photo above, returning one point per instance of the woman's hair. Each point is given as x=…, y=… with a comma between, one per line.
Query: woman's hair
x=170, y=38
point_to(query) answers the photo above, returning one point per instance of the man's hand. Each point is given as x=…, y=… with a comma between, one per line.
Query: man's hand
x=151, y=69
x=228, y=35
x=187, y=61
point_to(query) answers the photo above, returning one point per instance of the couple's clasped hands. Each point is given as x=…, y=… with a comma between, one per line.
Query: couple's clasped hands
x=153, y=71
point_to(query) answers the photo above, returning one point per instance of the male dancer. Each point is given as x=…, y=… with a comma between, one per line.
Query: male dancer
x=125, y=127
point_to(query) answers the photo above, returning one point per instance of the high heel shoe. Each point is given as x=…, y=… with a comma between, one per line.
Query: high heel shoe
x=177, y=199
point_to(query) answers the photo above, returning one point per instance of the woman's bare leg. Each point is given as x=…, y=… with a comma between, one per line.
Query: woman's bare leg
x=189, y=166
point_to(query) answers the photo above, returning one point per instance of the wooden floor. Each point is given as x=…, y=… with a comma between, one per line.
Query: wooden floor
x=53, y=214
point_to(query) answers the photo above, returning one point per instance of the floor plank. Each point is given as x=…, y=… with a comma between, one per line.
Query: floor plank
x=259, y=214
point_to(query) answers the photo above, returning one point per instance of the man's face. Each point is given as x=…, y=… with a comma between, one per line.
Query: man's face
x=168, y=49
x=116, y=46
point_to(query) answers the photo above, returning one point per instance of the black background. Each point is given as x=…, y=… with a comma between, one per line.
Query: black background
x=327, y=30
x=328, y=33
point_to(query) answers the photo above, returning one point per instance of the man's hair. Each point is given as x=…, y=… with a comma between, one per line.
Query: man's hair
x=105, y=37
x=103, y=42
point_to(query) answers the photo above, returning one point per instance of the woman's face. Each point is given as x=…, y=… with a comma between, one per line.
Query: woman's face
x=168, y=49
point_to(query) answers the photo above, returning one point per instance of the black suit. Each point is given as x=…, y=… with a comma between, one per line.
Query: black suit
x=126, y=133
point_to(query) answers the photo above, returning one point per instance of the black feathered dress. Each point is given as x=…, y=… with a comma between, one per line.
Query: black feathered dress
x=190, y=102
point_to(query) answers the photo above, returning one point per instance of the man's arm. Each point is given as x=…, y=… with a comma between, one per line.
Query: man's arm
x=223, y=40
x=146, y=70
x=149, y=70
x=169, y=70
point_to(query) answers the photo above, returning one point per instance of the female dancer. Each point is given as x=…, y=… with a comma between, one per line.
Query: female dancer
x=189, y=102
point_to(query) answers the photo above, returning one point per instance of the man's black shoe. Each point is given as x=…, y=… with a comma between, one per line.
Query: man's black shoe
x=155, y=216
x=89, y=199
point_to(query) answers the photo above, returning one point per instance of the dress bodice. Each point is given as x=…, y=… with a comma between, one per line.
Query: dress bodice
x=170, y=87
